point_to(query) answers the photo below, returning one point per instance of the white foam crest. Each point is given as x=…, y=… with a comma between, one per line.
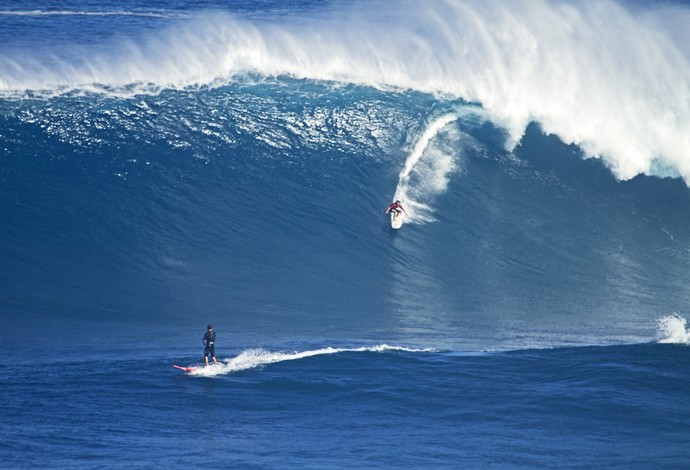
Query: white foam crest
x=673, y=329
x=257, y=357
x=613, y=80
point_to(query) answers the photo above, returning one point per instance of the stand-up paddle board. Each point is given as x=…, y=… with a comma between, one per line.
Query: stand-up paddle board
x=396, y=220
x=186, y=369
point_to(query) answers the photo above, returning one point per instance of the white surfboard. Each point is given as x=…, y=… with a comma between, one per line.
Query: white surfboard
x=396, y=220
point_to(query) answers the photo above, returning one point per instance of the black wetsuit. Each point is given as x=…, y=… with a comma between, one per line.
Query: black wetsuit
x=210, y=342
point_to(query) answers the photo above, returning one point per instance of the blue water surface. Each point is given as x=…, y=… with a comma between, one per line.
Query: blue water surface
x=157, y=174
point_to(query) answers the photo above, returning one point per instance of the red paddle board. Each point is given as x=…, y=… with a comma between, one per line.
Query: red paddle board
x=186, y=369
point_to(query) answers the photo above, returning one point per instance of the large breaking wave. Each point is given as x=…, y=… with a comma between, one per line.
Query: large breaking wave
x=239, y=166
x=611, y=78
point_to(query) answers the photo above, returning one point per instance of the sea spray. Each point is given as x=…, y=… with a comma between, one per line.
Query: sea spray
x=672, y=329
x=421, y=179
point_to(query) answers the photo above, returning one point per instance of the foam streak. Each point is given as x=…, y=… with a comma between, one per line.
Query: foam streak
x=417, y=210
x=254, y=358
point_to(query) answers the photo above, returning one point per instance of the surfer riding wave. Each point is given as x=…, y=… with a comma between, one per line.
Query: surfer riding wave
x=209, y=341
x=396, y=207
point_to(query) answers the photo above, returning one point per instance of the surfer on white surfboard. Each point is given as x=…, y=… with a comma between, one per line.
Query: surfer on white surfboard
x=209, y=341
x=396, y=207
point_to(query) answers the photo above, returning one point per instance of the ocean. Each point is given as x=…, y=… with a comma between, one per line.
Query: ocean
x=166, y=164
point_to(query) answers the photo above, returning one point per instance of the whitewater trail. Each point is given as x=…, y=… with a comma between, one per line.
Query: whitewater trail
x=671, y=329
x=254, y=358
x=431, y=175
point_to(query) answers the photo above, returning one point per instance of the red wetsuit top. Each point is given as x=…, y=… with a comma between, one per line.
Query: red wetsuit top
x=395, y=205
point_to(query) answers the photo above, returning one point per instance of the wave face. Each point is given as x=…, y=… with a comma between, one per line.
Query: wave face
x=236, y=165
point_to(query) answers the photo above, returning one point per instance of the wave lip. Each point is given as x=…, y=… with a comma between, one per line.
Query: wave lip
x=672, y=329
